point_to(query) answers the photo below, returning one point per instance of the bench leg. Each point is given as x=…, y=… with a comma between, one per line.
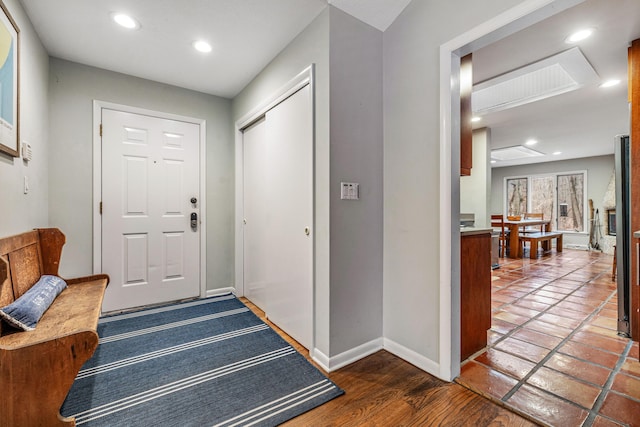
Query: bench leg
x=546, y=245
x=533, y=249
x=559, y=244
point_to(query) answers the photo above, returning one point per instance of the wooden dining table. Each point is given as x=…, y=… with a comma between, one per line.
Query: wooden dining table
x=515, y=226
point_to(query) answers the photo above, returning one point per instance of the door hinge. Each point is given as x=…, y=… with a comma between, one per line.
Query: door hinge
x=100, y=129
x=100, y=208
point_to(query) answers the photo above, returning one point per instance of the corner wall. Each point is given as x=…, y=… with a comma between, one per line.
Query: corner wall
x=412, y=171
x=348, y=147
x=21, y=212
x=356, y=156
x=311, y=46
x=73, y=88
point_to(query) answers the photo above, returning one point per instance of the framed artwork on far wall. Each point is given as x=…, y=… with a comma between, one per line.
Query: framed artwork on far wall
x=9, y=84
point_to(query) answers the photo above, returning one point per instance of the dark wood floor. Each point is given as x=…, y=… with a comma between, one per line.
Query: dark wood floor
x=384, y=390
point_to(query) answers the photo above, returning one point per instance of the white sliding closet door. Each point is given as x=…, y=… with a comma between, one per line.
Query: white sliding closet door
x=278, y=206
x=256, y=209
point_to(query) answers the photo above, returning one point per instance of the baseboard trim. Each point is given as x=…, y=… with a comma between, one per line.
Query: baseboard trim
x=330, y=364
x=220, y=291
x=412, y=357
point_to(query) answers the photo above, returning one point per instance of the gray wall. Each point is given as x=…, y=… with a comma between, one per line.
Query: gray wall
x=411, y=165
x=73, y=88
x=599, y=170
x=18, y=211
x=356, y=156
x=348, y=147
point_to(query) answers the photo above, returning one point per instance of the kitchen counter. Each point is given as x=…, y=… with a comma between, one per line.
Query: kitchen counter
x=470, y=231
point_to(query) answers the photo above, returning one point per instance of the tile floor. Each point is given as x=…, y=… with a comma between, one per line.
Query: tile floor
x=554, y=354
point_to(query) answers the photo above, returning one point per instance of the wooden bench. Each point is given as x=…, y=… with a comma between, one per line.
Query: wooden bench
x=37, y=368
x=545, y=237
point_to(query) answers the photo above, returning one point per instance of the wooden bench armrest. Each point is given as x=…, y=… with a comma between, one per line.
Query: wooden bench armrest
x=40, y=376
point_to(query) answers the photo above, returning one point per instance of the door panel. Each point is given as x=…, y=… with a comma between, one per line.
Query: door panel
x=257, y=213
x=289, y=135
x=278, y=207
x=150, y=171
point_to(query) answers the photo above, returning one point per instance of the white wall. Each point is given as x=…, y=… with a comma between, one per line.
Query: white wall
x=18, y=211
x=412, y=169
x=72, y=88
x=475, y=189
x=599, y=170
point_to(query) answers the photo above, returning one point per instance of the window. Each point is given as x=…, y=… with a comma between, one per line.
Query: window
x=516, y=196
x=560, y=197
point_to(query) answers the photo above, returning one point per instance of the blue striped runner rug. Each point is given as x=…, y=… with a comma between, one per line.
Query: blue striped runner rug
x=209, y=362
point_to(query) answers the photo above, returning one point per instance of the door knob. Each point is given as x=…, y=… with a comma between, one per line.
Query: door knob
x=307, y=231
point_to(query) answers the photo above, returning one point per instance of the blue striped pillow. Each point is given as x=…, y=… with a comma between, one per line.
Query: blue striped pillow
x=25, y=312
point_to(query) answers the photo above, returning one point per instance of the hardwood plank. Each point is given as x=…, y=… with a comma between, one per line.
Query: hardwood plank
x=384, y=390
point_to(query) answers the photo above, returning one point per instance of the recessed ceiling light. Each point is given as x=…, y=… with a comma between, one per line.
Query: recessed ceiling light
x=202, y=46
x=125, y=21
x=531, y=142
x=610, y=83
x=579, y=35
x=494, y=161
x=556, y=153
x=475, y=119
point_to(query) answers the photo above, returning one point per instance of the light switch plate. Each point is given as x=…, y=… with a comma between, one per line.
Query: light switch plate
x=27, y=154
x=349, y=191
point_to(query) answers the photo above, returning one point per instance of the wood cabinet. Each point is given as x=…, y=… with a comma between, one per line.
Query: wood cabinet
x=466, y=130
x=475, y=292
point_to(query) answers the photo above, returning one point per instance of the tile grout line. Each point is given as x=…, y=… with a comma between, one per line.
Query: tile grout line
x=553, y=351
x=607, y=386
x=518, y=327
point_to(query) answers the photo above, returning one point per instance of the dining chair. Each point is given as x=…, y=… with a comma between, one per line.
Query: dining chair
x=497, y=223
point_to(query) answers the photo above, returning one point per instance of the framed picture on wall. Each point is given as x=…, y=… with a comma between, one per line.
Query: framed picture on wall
x=9, y=83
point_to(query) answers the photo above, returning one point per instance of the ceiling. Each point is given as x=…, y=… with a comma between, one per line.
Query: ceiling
x=581, y=123
x=247, y=34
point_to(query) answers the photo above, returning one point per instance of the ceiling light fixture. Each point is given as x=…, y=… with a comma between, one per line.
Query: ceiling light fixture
x=202, y=46
x=556, y=153
x=475, y=119
x=125, y=21
x=531, y=142
x=610, y=83
x=579, y=35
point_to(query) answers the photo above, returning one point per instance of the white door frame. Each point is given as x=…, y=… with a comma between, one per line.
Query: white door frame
x=305, y=77
x=512, y=20
x=97, y=181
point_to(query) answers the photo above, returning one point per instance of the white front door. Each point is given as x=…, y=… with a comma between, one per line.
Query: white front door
x=278, y=209
x=150, y=190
